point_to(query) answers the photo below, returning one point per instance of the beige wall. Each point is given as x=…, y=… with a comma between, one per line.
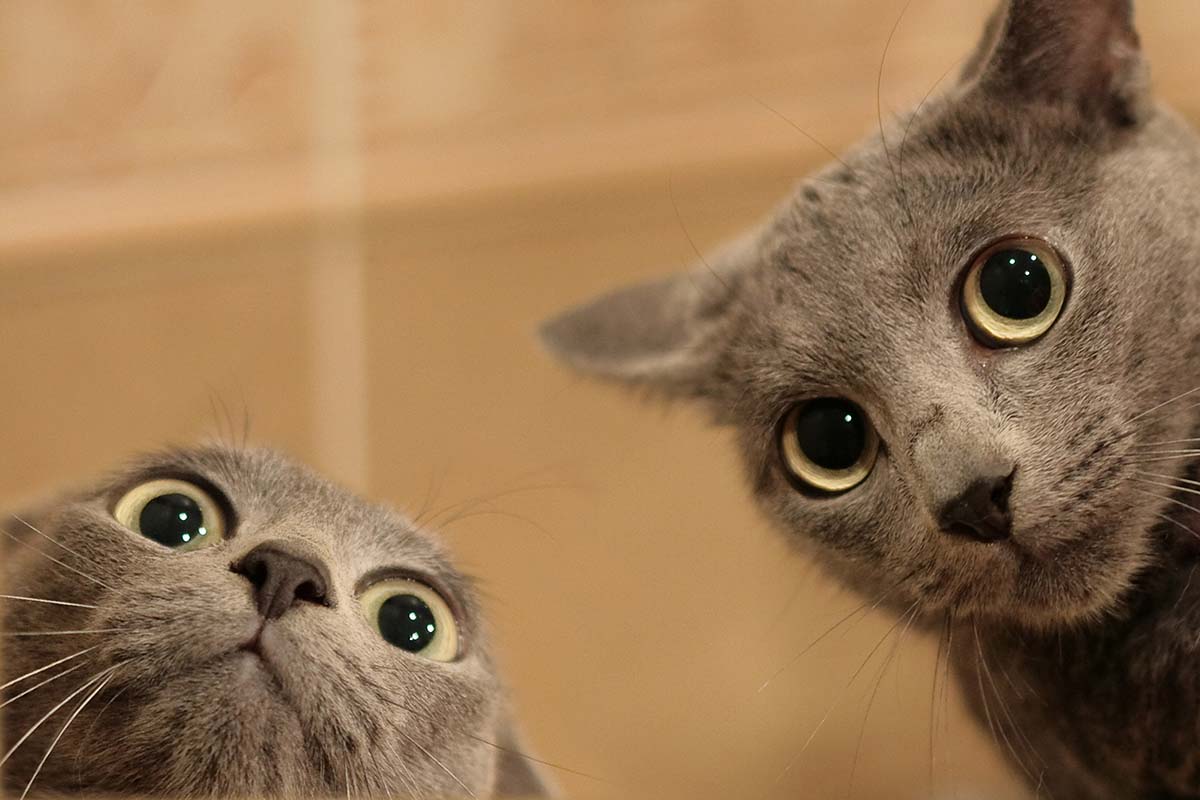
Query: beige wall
x=347, y=218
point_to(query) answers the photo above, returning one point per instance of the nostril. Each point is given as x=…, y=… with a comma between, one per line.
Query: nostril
x=981, y=511
x=312, y=592
x=282, y=579
x=1002, y=492
x=254, y=570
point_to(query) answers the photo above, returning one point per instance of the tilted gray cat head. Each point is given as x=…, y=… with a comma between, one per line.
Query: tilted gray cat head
x=992, y=459
x=230, y=609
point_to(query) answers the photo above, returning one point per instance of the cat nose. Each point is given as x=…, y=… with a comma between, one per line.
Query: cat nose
x=981, y=512
x=282, y=579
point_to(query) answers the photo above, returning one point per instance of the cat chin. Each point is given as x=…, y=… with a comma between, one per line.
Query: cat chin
x=1012, y=584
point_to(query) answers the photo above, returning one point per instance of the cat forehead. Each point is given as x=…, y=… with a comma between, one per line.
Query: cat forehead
x=864, y=260
x=262, y=485
x=932, y=184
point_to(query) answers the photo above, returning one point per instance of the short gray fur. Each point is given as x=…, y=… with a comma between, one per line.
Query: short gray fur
x=1087, y=620
x=345, y=713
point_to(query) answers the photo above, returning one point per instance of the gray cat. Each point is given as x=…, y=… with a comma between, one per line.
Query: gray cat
x=220, y=621
x=960, y=364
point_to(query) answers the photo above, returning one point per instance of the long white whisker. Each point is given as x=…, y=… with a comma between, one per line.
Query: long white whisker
x=71, y=719
x=1186, y=455
x=44, y=554
x=837, y=701
x=52, y=540
x=874, y=605
x=1179, y=524
x=1169, y=478
x=1165, y=443
x=1164, y=404
x=887, y=662
x=90, y=683
x=1171, y=500
x=47, y=602
x=37, y=686
x=51, y=665
x=435, y=760
x=1170, y=486
x=1191, y=451
x=21, y=634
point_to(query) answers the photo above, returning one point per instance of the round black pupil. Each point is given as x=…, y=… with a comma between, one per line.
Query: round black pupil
x=832, y=434
x=407, y=622
x=174, y=520
x=1016, y=284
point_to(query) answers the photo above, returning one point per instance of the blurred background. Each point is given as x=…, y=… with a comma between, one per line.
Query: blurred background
x=344, y=220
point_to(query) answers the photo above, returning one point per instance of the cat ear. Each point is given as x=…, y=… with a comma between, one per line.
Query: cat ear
x=666, y=334
x=517, y=775
x=1083, y=52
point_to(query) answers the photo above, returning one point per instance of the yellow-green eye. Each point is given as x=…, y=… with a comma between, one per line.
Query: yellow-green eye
x=1014, y=292
x=174, y=513
x=410, y=615
x=829, y=444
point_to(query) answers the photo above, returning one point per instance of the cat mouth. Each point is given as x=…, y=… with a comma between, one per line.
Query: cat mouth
x=258, y=652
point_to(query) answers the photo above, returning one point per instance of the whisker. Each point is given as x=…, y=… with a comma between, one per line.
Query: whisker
x=1007, y=715
x=92, y=728
x=435, y=760
x=1176, y=523
x=874, y=605
x=51, y=665
x=500, y=748
x=1164, y=404
x=52, y=540
x=688, y=235
x=828, y=631
x=917, y=112
x=1169, y=478
x=44, y=554
x=987, y=713
x=887, y=662
x=1171, y=486
x=1167, y=442
x=435, y=520
x=801, y=131
x=1184, y=456
x=90, y=683
x=879, y=104
x=21, y=634
x=933, y=695
x=37, y=686
x=948, y=750
x=1171, y=500
x=837, y=701
x=48, y=602
x=63, y=730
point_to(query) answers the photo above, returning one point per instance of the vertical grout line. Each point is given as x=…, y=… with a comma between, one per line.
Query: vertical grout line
x=337, y=290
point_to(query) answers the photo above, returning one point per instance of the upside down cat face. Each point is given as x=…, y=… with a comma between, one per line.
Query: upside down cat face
x=225, y=622
x=943, y=355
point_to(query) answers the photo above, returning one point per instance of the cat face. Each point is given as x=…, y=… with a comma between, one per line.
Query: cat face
x=940, y=353
x=249, y=628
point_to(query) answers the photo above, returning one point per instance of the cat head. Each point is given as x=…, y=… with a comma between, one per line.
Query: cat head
x=247, y=628
x=939, y=354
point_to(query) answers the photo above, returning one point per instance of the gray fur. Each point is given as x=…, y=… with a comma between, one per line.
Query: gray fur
x=850, y=289
x=339, y=711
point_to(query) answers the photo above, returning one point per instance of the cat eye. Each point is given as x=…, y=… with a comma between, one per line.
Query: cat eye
x=413, y=617
x=173, y=513
x=1014, y=292
x=829, y=445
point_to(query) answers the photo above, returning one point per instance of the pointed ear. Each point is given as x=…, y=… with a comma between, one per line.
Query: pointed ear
x=667, y=334
x=1082, y=52
x=518, y=776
